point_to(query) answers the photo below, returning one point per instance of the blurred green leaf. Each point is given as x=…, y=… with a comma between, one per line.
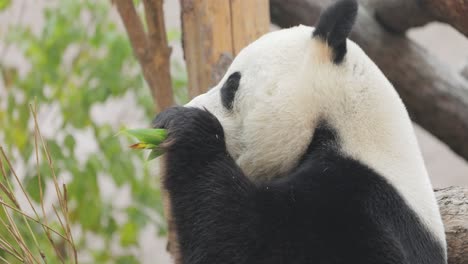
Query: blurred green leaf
x=4, y=4
x=135, y=216
x=148, y=135
x=32, y=185
x=128, y=234
x=70, y=143
x=127, y=260
x=9, y=75
x=173, y=35
x=156, y=152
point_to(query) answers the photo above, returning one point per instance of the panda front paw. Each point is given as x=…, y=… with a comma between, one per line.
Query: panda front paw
x=191, y=130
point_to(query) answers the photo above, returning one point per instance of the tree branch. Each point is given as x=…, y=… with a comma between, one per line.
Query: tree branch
x=436, y=97
x=133, y=26
x=401, y=15
x=159, y=54
x=151, y=50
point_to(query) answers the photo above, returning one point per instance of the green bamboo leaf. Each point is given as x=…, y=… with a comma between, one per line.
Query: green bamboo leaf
x=141, y=145
x=155, y=153
x=128, y=234
x=4, y=4
x=148, y=135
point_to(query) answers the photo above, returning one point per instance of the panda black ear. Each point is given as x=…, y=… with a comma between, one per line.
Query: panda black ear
x=334, y=26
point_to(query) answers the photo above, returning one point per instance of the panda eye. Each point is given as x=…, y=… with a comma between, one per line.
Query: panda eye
x=229, y=89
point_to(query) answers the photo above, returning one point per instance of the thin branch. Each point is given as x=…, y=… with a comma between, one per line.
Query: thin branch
x=154, y=15
x=8, y=193
x=9, y=249
x=159, y=54
x=152, y=51
x=4, y=260
x=34, y=220
x=133, y=26
x=16, y=234
x=37, y=134
x=20, y=239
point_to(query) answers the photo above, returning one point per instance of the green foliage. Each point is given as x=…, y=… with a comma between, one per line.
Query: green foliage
x=99, y=66
x=4, y=4
x=148, y=135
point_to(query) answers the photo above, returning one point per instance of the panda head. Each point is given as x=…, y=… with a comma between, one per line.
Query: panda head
x=280, y=87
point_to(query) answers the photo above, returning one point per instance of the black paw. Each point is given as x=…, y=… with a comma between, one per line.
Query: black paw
x=191, y=130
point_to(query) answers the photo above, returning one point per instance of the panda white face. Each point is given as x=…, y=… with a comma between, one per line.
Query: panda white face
x=261, y=115
x=277, y=90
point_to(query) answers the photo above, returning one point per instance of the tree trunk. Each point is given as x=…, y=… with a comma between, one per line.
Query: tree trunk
x=214, y=31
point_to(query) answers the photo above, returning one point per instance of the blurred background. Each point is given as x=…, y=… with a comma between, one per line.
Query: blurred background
x=74, y=59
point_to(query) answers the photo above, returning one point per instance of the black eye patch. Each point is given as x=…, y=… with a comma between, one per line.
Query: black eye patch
x=229, y=89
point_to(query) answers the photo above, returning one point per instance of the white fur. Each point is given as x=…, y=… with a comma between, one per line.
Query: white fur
x=289, y=83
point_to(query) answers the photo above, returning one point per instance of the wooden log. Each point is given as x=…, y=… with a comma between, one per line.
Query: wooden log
x=214, y=30
x=453, y=203
x=435, y=97
x=401, y=15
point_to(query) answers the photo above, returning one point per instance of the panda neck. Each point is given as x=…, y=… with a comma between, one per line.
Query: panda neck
x=382, y=138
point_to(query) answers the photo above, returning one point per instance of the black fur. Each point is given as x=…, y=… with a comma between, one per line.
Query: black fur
x=334, y=26
x=331, y=209
x=229, y=89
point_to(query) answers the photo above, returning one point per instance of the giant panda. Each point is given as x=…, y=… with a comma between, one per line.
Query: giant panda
x=302, y=154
